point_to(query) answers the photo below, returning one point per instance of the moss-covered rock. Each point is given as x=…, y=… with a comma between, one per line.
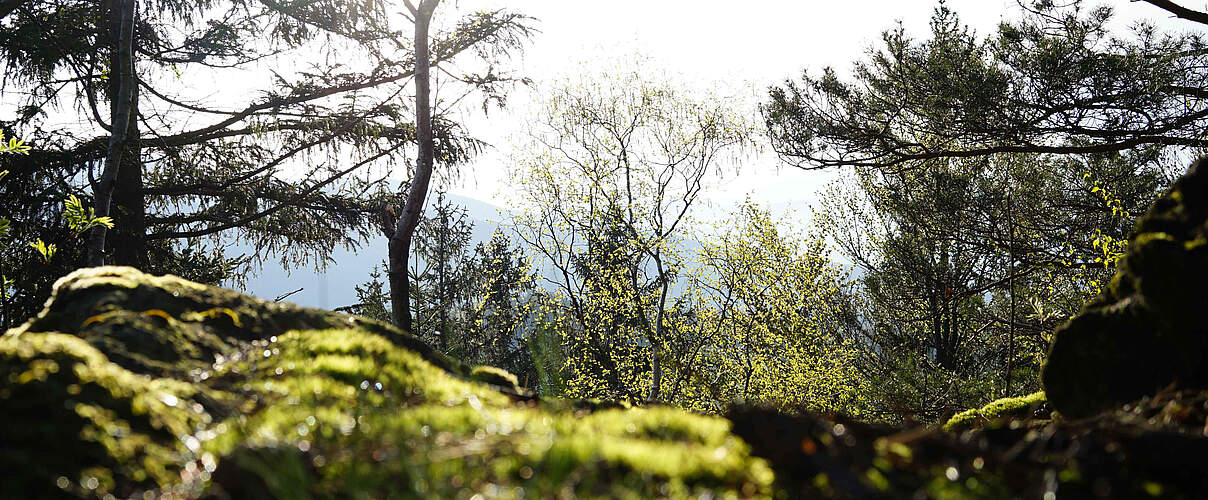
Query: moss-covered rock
x=1149, y=448
x=1147, y=330
x=1031, y=406
x=75, y=421
x=127, y=384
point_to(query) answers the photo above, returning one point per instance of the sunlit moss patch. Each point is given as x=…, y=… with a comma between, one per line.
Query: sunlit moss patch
x=166, y=386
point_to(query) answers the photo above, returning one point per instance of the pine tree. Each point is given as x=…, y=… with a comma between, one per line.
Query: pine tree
x=293, y=168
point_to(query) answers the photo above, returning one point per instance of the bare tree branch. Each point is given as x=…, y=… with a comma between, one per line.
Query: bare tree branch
x=1178, y=10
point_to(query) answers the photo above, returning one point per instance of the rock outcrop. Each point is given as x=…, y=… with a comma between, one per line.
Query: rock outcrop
x=1151, y=448
x=1149, y=328
x=155, y=387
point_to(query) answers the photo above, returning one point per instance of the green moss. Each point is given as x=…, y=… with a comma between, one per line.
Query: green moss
x=88, y=421
x=1013, y=407
x=496, y=376
x=1146, y=238
x=368, y=415
x=168, y=385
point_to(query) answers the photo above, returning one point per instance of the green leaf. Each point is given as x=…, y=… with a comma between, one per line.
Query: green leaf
x=80, y=218
x=46, y=250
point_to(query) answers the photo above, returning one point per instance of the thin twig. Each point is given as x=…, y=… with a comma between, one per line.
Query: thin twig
x=284, y=296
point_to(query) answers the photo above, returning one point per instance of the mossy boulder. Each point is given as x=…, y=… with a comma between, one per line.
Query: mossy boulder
x=1031, y=406
x=1150, y=448
x=133, y=385
x=1147, y=330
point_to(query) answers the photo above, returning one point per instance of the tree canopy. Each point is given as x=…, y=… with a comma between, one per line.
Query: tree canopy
x=271, y=123
x=985, y=189
x=989, y=184
x=1055, y=81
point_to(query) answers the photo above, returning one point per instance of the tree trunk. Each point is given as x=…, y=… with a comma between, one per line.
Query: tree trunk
x=933, y=306
x=4, y=298
x=442, y=285
x=416, y=298
x=656, y=344
x=400, y=243
x=1011, y=285
x=656, y=378
x=121, y=30
x=128, y=241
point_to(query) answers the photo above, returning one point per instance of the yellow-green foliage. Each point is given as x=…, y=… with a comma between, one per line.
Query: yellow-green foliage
x=13, y=145
x=605, y=193
x=607, y=190
x=1080, y=282
x=313, y=410
x=768, y=309
x=1013, y=407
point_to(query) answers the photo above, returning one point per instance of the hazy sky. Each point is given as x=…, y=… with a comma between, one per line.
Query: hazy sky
x=734, y=46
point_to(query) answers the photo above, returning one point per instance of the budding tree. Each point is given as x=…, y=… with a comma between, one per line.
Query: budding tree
x=607, y=184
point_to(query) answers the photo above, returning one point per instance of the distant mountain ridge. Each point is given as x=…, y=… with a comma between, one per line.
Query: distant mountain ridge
x=335, y=286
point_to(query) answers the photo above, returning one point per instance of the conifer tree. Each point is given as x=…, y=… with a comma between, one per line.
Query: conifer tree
x=972, y=197
x=268, y=122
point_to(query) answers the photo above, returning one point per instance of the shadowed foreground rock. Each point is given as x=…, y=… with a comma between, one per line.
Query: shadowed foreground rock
x=128, y=384
x=1149, y=328
x=1152, y=448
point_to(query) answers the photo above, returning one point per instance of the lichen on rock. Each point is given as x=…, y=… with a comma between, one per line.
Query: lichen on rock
x=128, y=383
x=1147, y=330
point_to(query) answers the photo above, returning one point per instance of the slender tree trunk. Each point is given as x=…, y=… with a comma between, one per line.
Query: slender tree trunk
x=656, y=343
x=933, y=303
x=121, y=19
x=128, y=243
x=953, y=331
x=416, y=299
x=746, y=378
x=1011, y=284
x=4, y=296
x=442, y=284
x=400, y=243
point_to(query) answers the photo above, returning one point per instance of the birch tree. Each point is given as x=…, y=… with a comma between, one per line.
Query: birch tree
x=607, y=185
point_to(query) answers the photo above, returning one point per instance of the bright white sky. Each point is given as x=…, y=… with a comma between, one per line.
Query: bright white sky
x=733, y=47
x=741, y=47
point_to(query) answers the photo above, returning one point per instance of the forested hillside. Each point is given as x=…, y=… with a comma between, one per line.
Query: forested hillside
x=997, y=293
